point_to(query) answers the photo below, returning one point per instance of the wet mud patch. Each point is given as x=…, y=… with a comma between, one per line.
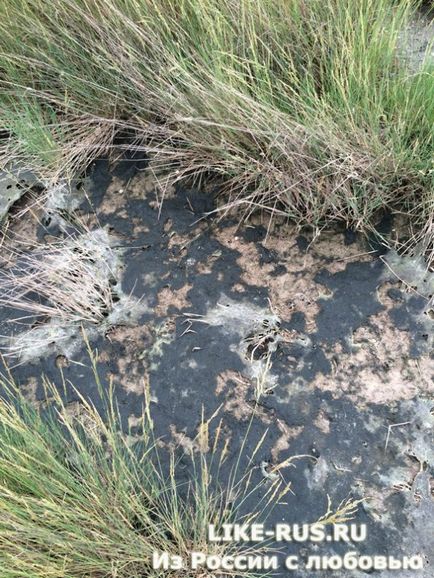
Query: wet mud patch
x=313, y=346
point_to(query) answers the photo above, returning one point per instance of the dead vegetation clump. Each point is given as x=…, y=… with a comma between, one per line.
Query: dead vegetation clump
x=66, y=283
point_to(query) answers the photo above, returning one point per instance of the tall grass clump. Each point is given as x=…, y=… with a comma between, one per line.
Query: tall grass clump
x=81, y=499
x=304, y=107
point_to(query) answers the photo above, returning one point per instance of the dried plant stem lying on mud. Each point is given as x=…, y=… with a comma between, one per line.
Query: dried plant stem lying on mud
x=261, y=381
x=345, y=511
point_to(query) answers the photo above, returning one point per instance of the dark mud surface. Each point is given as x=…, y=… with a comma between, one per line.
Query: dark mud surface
x=258, y=329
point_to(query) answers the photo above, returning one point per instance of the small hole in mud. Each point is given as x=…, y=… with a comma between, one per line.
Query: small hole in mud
x=113, y=282
x=61, y=361
x=38, y=189
x=116, y=298
x=9, y=187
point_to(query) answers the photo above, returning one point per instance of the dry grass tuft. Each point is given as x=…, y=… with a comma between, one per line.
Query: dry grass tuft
x=70, y=280
x=302, y=108
x=55, y=288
